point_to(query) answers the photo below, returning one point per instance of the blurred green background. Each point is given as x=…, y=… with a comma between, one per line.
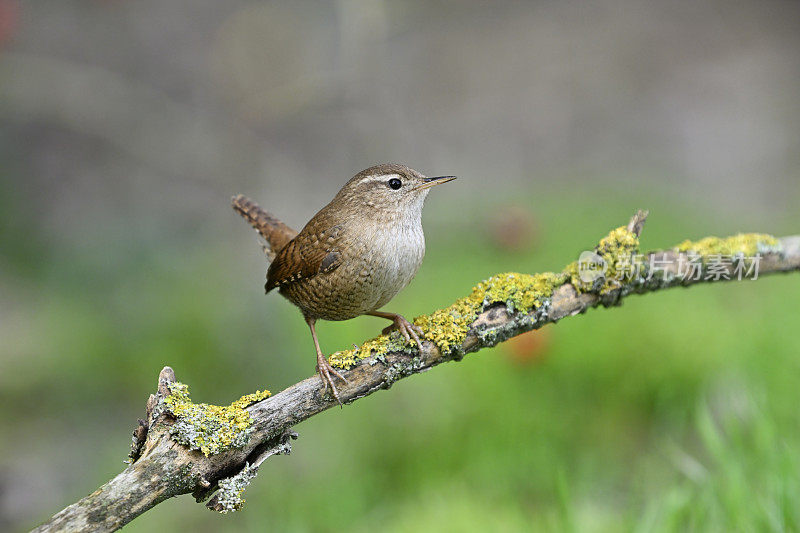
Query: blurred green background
x=126, y=126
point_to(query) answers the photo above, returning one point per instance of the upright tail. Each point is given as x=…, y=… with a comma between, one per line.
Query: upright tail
x=276, y=233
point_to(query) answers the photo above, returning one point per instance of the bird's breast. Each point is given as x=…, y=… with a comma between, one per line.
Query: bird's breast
x=393, y=255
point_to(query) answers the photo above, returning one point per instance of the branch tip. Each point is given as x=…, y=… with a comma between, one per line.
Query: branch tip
x=165, y=378
x=637, y=222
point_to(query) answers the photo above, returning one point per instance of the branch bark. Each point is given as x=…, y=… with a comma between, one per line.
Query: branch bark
x=163, y=468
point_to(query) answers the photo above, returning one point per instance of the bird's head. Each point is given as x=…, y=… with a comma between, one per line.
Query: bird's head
x=389, y=191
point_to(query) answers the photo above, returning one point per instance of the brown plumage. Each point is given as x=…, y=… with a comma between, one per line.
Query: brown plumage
x=354, y=255
x=275, y=232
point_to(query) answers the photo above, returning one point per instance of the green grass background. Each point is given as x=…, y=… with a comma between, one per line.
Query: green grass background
x=676, y=411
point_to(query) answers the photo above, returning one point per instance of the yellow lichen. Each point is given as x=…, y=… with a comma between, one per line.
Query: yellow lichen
x=619, y=238
x=618, y=252
x=743, y=244
x=522, y=291
x=382, y=344
x=448, y=327
x=348, y=358
x=210, y=428
x=345, y=359
x=249, y=399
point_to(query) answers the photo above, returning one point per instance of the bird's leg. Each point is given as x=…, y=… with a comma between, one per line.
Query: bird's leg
x=406, y=328
x=324, y=368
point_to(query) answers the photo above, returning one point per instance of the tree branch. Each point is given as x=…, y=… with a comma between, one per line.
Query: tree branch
x=163, y=465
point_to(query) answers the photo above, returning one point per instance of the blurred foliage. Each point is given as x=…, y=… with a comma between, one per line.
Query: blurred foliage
x=677, y=410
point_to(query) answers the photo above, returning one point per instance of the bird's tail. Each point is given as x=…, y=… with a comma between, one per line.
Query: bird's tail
x=276, y=233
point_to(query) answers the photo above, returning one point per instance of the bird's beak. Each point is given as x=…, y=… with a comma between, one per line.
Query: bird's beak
x=427, y=183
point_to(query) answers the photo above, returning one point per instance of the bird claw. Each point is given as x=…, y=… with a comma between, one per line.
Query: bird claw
x=324, y=369
x=407, y=330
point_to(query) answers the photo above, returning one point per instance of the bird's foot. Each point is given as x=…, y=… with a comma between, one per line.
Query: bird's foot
x=326, y=371
x=407, y=330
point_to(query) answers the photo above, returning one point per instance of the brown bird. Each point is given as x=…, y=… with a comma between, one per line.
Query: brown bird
x=354, y=255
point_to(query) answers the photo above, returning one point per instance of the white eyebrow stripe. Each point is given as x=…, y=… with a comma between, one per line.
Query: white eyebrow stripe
x=379, y=177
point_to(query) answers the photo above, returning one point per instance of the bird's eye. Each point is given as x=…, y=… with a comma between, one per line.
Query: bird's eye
x=395, y=183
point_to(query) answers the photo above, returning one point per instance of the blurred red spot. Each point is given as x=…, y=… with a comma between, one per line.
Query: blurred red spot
x=9, y=19
x=528, y=348
x=513, y=229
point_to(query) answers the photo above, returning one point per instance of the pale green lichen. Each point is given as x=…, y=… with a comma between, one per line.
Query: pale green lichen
x=182, y=480
x=210, y=428
x=229, y=497
x=448, y=327
x=741, y=245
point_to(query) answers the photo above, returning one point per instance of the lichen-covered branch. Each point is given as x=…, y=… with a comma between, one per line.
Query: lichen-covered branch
x=183, y=447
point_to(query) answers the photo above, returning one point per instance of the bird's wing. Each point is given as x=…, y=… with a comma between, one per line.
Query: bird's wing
x=313, y=252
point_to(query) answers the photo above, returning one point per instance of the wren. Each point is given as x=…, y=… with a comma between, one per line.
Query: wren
x=353, y=256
